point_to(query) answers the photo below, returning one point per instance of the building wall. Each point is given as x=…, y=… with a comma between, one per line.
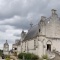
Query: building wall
x=6, y=51
x=41, y=45
x=18, y=49
x=56, y=44
x=53, y=27
x=49, y=34
x=30, y=47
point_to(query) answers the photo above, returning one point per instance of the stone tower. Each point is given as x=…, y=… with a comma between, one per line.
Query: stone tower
x=42, y=25
x=6, y=48
x=23, y=34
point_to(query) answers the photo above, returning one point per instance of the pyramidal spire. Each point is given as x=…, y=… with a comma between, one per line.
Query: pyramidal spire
x=6, y=41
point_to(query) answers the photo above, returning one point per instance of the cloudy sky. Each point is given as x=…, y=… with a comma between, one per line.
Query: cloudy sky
x=16, y=15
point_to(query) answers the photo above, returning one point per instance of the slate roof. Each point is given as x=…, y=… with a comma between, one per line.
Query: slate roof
x=32, y=32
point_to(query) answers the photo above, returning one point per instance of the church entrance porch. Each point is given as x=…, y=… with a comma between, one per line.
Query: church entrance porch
x=48, y=47
x=49, y=43
x=50, y=54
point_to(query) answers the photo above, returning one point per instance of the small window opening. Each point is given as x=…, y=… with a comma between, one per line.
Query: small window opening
x=15, y=48
x=34, y=44
x=39, y=30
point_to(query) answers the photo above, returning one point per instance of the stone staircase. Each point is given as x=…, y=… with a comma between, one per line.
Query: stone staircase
x=57, y=55
x=50, y=54
x=13, y=57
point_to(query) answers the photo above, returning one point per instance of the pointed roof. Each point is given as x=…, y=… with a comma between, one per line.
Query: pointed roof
x=6, y=43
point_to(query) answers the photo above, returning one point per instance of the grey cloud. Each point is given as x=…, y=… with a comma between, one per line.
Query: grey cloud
x=18, y=35
x=24, y=8
x=23, y=23
x=2, y=28
x=3, y=41
x=21, y=8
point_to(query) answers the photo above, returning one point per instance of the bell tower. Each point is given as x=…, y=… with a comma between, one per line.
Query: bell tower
x=6, y=48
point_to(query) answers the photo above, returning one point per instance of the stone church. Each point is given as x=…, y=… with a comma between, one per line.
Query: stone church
x=42, y=38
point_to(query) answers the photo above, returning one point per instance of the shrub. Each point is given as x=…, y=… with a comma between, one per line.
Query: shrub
x=44, y=57
x=1, y=52
x=34, y=57
x=28, y=56
x=7, y=58
x=21, y=55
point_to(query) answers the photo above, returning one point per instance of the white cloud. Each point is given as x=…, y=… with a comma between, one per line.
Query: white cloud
x=9, y=34
x=11, y=20
x=1, y=46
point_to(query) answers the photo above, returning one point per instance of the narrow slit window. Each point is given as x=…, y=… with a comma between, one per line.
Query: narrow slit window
x=25, y=46
x=39, y=30
x=34, y=44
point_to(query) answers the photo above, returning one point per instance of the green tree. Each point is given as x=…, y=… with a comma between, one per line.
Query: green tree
x=1, y=52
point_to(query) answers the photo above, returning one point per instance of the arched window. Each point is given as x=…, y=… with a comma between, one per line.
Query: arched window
x=25, y=46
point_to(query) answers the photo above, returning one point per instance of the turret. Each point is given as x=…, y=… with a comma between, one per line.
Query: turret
x=43, y=18
x=42, y=25
x=23, y=34
x=6, y=48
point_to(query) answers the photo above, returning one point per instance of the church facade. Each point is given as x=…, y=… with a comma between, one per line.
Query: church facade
x=43, y=37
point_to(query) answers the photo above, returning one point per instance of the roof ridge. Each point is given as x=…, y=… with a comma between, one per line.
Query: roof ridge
x=32, y=27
